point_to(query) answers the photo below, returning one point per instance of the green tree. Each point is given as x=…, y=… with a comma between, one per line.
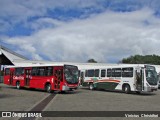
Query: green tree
x=91, y=61
x=139, y=59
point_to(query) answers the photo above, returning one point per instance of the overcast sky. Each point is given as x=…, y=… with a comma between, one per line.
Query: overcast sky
x=77, y=30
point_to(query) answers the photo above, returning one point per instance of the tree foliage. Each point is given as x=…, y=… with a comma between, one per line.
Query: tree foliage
x=139, y=59
x=92, y=61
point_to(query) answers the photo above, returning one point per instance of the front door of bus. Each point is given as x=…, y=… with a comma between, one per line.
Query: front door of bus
x=11, y=77
x=81, y=78
x=140, y=80
x=27, y=77
x=58, y=73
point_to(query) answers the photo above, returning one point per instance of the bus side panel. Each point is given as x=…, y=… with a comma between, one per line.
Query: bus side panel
x=106, y=85
x=39, y=82
x=34, y=82
x=87, y=81
x=6, y=79
x=126, y=80
x=19, y=78
x=22, y=83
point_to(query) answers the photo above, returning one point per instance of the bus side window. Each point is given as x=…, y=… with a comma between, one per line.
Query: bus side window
x=103, y=73
x=97, y=73
x=40, y=71
x=117, y=72
x=19, y=71
x=113, y=72
x=7, y=71
x=34, y=71
x=86, y=73
x=90, y=73
x=127, y=72
x=49, y=71
x=109, y=72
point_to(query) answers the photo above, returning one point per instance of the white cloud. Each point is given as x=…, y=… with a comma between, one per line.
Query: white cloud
x=21, y=10
x=106, y=36
x=43, y=23
x=14, y=12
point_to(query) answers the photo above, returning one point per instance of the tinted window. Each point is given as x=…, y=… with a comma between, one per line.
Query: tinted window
x=113, y=73
x=7, y=71
x=86, y=73
x=34, y=71
x=49, y=71
x=117, y=72
x=19, y=71
x=109, y=73
x=127, y=72
x=97, y=73
x=41, y=71
x=90, y=73
x=103, y=73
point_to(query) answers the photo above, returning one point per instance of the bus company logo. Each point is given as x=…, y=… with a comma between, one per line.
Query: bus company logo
x=6, y=114
x=18, y=77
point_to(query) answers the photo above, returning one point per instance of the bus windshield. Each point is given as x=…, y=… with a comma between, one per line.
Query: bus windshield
x=151, y=75
x=71, y=74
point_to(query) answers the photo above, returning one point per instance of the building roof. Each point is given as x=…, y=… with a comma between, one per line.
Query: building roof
x=8, y=57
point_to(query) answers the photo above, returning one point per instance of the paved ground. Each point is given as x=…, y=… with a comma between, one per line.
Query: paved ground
x=83, y=99
x=12, y=99
x=86, y=100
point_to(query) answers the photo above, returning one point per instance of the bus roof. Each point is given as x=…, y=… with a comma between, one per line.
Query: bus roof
x=81, y=67
x=37, y=65
x=34, y=63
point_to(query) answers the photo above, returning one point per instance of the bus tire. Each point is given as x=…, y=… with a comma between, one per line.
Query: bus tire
x=91, y=87
x=138, y=92
x=18, y=85
x=127, y=89
x=48, y=88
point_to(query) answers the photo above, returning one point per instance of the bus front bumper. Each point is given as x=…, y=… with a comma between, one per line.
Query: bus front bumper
x=150, y=89
x=67, y=88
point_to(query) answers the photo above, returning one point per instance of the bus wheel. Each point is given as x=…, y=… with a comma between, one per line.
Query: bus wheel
x=138, y=92
x=127, y=89
x=48, y=88
x=18, y=85
x=91, y=87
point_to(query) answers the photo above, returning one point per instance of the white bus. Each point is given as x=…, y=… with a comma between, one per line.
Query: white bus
x=125, y=77
x=158, y=74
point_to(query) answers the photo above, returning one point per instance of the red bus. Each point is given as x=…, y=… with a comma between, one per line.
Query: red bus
x=53, y=77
